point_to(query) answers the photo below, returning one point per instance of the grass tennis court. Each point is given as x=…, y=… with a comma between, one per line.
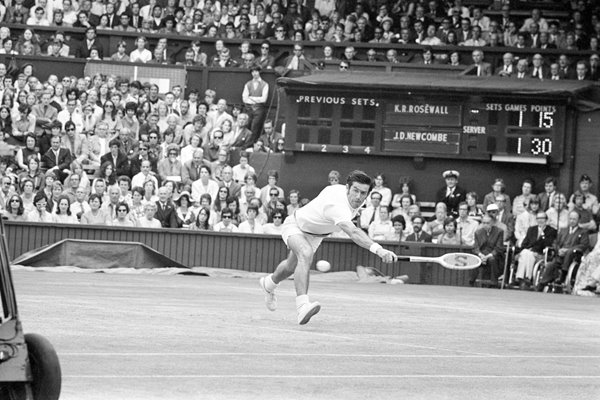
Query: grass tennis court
x=130, y=337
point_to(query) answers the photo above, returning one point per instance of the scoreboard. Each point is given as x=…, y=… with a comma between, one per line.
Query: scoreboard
x=424, y=122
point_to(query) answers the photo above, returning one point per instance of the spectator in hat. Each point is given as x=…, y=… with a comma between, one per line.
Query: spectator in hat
x=184, y=210
x=451, y=194
x=493, y=211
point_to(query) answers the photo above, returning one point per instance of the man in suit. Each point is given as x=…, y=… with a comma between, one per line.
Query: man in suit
x=83, y=50
x=538, y=69
x=418, y=234
x=57, y=159
x=582, y=71
x=537, y=238
x=117, y=158
x=570, y=239
x=490, y=248
x=191, y=169
x=547, y=196
x=564, y=64
x=507, y=68
x=242, y=136
x=235, y=189
x=480, y=68
x=165, y=209
x=451, y=194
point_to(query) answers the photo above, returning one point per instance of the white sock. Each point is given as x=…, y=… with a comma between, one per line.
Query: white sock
x=301, y=300
x=269, y=284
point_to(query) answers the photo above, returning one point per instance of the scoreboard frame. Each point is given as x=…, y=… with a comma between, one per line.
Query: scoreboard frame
x=416, y=120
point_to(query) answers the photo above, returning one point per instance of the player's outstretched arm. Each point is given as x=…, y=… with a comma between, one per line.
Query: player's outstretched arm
x=359, y=237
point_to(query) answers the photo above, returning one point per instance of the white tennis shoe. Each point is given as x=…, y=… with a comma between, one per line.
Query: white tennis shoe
x=270, y=298
x=307, y=311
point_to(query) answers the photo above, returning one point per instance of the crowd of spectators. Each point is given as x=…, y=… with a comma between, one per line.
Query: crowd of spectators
x=106, y=150
x=433, y=24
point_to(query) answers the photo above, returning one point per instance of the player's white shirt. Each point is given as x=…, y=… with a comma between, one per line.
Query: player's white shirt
x=324, y=212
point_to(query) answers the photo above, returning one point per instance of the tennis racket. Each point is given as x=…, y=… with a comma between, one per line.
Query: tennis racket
x=460, y=261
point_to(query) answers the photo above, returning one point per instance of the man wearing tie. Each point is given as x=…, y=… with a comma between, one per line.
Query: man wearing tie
x=570, y=239
x=490, y=248
x=537, y=238
x=507, y=68
x=581, y=71
x=554, y=72
x=191, y=169
x=165, y=210
x=371, y=213
x=57, y=159
x=538, y=70
x=418, y=234
x=547, y=197
x=451, y=194
x=481, y=68
x=83, y=50
x=235, y=189
x=521, y=69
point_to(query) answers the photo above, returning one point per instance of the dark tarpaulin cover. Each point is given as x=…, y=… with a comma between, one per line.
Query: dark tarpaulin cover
x=443, y=83
x=96, y=254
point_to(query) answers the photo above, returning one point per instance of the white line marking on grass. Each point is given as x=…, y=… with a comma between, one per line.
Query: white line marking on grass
x=544, y=377
x=331, y=355
x=359, y=338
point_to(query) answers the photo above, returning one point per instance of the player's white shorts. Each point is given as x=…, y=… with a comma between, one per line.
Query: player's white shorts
x=290, y=228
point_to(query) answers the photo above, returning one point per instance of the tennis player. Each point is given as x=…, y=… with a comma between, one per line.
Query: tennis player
x=331, y=211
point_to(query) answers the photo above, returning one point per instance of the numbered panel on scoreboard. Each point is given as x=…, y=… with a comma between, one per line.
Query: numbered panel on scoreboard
x=427, y=124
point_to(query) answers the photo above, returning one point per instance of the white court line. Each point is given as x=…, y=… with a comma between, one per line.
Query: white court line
x=402, y=301
x=361, y=339
x=544, y=377
x=330, y=355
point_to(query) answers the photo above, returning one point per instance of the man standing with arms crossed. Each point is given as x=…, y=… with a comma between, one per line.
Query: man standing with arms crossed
x=254, y=96
x=331, y=211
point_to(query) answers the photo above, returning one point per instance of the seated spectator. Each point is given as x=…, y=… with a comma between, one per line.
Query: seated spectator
x=120, y=55
x=526, y=219
x=184, y=212
x=466, y=226
x=498, y=188
x=450, y=237
x=586, y=219
x=436, y=227
x=537, y=238
x=272, y=178
x=522, y=201
x=84, y=49
x=590, y=201
x=148, y=221
x=274, y=227
x=418, y=234
x=141, y=54
x=40, y=214
x=170, y=168
x=165, y=209
x=226, y=224
x=123, y=218
x=480, y=67
x=204, y=185
x=379, y=186
x=96, y=216
x=558, y=214
x=14, y=209
x=569, y=239
x=382, y=229
x=489, y=247
x=63, y=213
x=202, y=220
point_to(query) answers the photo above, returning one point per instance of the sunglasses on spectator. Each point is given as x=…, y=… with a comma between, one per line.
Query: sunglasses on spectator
x=14, y=201
x=109, y=106
x=70, y=129
x=277, y=217
x=274, y=194
x=226, y=217
x=122, y=210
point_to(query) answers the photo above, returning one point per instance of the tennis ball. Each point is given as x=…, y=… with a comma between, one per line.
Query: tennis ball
x=323, y=266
